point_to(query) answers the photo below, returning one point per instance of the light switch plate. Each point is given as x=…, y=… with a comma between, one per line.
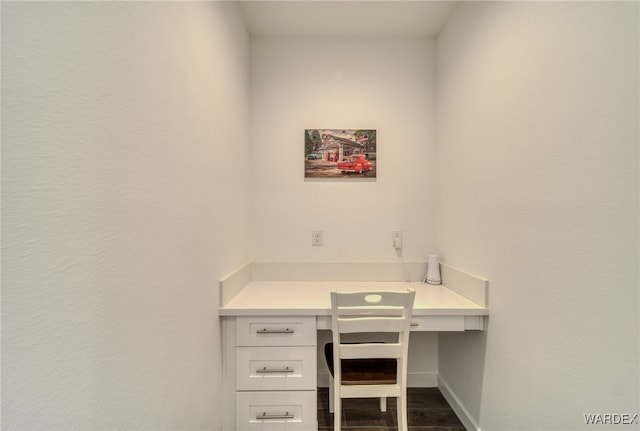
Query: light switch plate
x=316, y=238
x=397, y=239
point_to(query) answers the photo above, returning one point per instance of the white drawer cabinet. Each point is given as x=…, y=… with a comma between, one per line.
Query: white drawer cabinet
x=430, y=323
x=276, y=331
x=446, y=323
x=276, y=411
x=275, y=370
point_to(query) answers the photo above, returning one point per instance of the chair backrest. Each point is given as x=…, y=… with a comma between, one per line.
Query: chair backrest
x=370, y=312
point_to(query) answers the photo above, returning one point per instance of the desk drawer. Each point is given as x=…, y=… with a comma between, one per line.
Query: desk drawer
x=437, y=323
x=276, y=331
x=276, y=411
x=276, y=368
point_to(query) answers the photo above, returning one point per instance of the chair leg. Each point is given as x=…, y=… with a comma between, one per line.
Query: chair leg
x=383, y=404
x=331, y=402
x=337, y=414
x=402, y=413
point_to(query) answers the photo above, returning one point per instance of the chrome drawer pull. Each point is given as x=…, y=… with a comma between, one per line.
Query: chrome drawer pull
x=275, y=331
x=265, y=370
x=270, y=417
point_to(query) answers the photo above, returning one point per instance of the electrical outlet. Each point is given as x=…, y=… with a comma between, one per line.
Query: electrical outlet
x=316, y=237
x=396, y=239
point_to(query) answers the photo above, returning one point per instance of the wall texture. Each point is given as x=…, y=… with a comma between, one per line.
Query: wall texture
x=120, y=210
x=385, y=84
x=538, y=172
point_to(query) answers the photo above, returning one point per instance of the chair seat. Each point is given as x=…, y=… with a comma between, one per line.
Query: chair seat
x=369, y=371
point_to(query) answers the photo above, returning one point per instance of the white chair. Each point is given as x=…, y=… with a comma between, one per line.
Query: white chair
x=377, y=367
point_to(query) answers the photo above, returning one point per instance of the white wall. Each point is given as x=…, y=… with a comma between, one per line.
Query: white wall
x=538, y=167
x=303, y=83
x=120, y=210
x=385, y=84
x=124, y=126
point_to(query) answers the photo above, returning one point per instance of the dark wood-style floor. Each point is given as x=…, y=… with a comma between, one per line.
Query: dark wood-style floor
x=427, y=409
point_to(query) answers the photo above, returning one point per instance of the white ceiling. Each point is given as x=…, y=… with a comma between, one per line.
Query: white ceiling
x=346, y=18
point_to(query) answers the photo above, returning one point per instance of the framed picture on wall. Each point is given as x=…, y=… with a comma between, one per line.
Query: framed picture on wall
x=340, y=153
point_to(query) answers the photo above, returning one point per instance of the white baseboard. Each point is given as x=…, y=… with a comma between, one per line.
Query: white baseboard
x=414, y=380
x=462, y=413
x=422, y=380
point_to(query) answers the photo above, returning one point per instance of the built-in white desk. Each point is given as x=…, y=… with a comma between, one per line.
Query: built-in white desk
x=269, y=338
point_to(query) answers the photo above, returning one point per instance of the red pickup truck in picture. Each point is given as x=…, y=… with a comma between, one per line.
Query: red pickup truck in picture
x=355, y=163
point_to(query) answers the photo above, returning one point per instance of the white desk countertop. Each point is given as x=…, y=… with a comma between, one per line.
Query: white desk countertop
x=275, y=298
x=298, y=293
